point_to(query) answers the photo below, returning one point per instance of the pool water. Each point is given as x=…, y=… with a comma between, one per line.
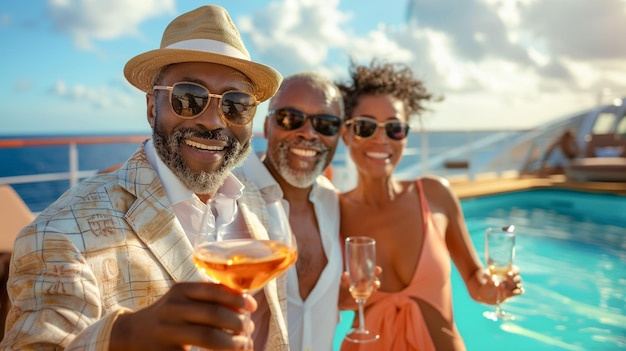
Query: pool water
x=571, y=250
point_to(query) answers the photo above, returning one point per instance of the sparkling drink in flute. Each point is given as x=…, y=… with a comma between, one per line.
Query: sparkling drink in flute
x=361, y=265
x=499, y=254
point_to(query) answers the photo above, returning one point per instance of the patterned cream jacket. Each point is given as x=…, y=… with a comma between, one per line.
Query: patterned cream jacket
x=109, y=245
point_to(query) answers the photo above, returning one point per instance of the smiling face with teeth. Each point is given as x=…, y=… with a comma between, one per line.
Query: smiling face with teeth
x=200, y=151
x=298, y=156
x=376, y=156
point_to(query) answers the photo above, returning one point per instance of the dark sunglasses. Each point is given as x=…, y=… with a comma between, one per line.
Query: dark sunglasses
x=190, y=100
x=364, y=127
x=290, y=119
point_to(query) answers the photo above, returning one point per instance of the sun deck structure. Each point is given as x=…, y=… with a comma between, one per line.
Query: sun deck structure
x=597, y=152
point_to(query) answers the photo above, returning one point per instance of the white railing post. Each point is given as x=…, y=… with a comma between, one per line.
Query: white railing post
x=470, y=156
x=509, y=147
x=73, y=164
x=424, y=153
x=502, y=167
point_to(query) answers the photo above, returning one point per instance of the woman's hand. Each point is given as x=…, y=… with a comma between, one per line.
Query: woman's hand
x=346, y=302
x=488, y=291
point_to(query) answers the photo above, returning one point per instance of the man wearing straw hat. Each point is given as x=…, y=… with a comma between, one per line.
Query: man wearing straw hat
x=109, y=266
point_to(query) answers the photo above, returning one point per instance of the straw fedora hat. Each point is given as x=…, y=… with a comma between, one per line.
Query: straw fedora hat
x=206, y=34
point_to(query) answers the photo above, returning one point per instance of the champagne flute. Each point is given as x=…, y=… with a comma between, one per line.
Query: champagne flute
x=499, y=254
x=243, y=263
x=360, y=265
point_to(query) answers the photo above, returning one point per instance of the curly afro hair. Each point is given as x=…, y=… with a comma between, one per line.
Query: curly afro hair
x=385, y=78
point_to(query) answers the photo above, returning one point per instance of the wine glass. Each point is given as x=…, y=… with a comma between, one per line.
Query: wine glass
x=360, y=265
x=243, y=263
x=499, y=254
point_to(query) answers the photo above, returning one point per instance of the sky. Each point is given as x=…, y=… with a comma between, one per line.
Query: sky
x=499, y=64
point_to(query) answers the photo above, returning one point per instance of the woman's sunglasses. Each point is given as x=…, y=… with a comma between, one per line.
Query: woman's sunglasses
x=291, y=119
x=190, y=100
x=364, y=127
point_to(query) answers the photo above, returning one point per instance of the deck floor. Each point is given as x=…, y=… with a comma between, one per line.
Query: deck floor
x=496, y=184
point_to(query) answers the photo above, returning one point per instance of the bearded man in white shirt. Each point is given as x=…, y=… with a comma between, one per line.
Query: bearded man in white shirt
x=302, y=130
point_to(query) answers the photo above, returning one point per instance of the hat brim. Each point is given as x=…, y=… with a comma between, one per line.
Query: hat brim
x=141, y=69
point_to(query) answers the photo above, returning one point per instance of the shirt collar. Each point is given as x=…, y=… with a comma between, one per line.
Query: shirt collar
x=254, y=170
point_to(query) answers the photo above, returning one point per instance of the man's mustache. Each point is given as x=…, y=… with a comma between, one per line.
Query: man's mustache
x=187, y=133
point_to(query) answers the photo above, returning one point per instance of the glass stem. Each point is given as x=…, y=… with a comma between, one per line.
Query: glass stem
x=247, y=330
x=498, y=312
x=361, y=317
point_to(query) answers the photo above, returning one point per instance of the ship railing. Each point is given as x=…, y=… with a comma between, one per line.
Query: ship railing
x=74, y=174
x=475, y=154
x=469, y=157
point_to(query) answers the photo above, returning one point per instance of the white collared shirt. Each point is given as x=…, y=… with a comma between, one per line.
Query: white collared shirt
x=311, y=323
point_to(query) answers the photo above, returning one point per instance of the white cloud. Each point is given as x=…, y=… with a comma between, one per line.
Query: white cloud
x=23, y=85
x=300, y=37
x=101, y=97
x=510, y=62
x=59, y=88
x=382, y=43
x=5, y=19
x=484, y=56
x=538, y=57
x=86, y=20
x=581, y=30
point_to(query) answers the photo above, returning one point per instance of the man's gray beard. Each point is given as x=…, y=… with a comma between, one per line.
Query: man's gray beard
x=298, y=179
x=168, y=149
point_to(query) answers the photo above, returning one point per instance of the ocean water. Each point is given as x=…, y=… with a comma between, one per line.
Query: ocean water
x=479, y=146
x=55, y=159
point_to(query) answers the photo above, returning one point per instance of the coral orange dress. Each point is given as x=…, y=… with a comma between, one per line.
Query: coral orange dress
x=395, y=316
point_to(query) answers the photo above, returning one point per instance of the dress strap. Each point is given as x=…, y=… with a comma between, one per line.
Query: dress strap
x=428, y=215
x=423, y=201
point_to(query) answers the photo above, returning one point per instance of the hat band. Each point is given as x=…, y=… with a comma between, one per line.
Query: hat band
x=209, y=46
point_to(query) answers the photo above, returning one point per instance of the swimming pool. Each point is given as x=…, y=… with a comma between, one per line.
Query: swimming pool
x=571, y=250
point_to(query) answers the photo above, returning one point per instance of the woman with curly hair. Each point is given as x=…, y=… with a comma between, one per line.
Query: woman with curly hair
x=418, y=225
